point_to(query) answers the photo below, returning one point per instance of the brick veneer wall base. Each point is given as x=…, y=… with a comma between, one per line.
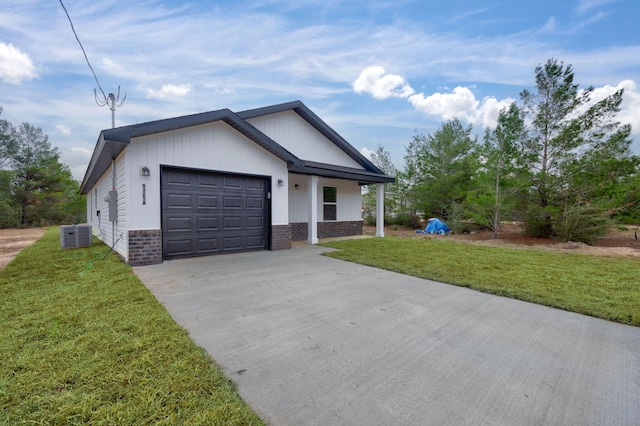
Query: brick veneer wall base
x=145, y=247
x=300, y=230
x=280, y=237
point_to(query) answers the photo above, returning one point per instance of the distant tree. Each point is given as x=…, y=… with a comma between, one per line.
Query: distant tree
x=408, y=182
x=41, y=186
x=8, y=144
x=73, y=208
x=35, y=187
x=628, y=207
x=571, y=144
x=9, y=210
x=9, y=216
x=444, y=166
x=381, y=158
x=30, y=163
x=499, y=178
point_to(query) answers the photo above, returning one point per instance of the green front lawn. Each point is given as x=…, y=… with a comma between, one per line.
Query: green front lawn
x=83, y=341
x=607, y=288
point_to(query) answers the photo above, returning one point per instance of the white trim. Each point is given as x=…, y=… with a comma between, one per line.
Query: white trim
x=379, y=209
x=313, y=210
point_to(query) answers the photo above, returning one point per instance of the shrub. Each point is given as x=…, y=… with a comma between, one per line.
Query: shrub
x=405, y=219
x=456, y=218
x=369, y=220
x=582, y=223
x=537, y=222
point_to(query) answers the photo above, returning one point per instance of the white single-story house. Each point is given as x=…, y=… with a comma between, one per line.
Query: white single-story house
x=224, y=182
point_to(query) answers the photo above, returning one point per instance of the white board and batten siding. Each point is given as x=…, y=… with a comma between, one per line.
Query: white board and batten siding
x=297, y=136
x=101, y=226
x=212, y=146
x=349, y=199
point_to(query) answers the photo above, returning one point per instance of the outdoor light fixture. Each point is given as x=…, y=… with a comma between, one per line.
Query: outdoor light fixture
x=280, y=182
x=144, y=171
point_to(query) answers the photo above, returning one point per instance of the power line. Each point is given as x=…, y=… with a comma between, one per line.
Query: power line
x=111, y=100
x=83, y=51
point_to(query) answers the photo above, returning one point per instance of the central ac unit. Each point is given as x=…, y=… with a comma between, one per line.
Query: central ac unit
x=73, y=236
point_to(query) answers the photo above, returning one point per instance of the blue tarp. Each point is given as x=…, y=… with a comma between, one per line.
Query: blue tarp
x=435, y=226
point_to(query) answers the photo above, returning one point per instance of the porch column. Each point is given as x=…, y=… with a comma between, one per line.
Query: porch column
x=313, y=210
x=379, y=209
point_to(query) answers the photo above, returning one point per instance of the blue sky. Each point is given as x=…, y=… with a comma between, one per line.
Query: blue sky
x=376, y=71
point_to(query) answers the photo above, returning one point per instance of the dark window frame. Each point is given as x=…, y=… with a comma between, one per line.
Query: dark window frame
x=329, y=203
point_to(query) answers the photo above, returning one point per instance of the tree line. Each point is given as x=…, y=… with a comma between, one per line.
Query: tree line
x=36, y=189
x=557, y=162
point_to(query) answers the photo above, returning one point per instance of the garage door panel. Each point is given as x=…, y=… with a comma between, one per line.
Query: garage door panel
x=232, y=222
x=256, y=184
x=180, y=247
x=255, y=222
x=206, y=213
x=207, y=223
x=207, y=245
x=178, y=201
x=208, y=180
x=255, y=242
x=255, y=203
x=179, y=224
x=207, y=201
x=232, y=182
x=232, y=243
x=177, y=178
x=231, y=202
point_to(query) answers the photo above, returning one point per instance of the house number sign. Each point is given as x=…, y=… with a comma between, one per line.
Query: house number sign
x=144, y=194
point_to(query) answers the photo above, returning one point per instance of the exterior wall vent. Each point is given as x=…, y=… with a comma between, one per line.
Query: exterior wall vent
x=74, y=236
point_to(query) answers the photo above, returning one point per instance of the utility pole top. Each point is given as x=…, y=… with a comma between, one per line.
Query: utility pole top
x=113, y=101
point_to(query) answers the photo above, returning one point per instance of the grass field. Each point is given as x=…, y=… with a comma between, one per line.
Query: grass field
x=607, y=288
x=82, y=341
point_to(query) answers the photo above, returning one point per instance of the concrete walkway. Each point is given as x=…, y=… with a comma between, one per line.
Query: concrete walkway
x=311, y=340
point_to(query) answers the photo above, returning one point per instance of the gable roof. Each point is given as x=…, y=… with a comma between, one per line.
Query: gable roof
x=112, y=142
x=310, y=117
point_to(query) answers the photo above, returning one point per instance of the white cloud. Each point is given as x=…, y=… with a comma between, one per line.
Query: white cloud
x=218, y=87
x=446, y=105
x=367, y=153
x=170, y=90
x=316, y=61
x=487, y=113
x=15, y=65
x=589, y=21
x=630, y=108
x=112, y=66
x=77, y=159
x=374, y=81
x=586, y=5
x=65, y=130
x=461, y=103
x=550, y=25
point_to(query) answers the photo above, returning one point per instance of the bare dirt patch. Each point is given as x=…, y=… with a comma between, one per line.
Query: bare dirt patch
x=14, y=240
x=617, y=243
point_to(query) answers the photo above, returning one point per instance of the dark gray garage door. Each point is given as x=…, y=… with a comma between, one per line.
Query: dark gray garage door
x=206, y=213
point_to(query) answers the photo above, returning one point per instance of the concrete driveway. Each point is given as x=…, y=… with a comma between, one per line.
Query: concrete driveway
x=311, y=340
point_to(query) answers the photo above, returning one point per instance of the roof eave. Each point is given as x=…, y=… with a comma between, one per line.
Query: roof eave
x=105, y=151
x=316, y=122
x=363, y=177
x=113, y=141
